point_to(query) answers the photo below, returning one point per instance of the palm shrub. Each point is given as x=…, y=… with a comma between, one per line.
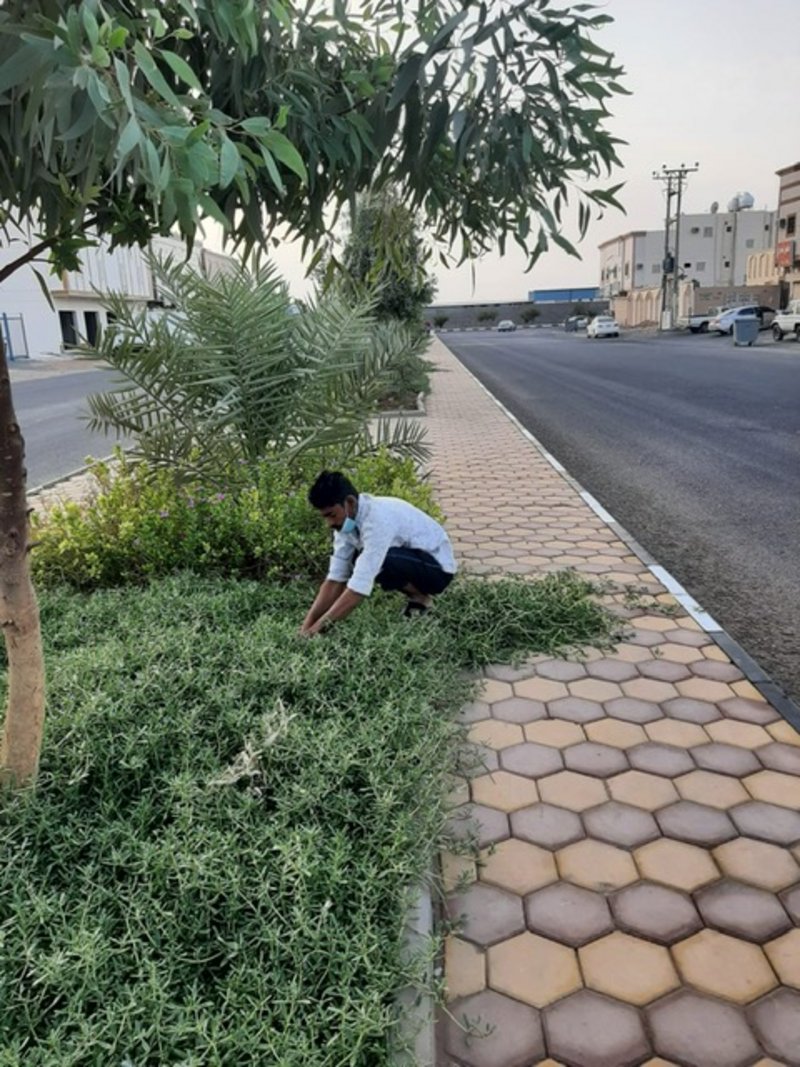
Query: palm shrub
x=227, y=374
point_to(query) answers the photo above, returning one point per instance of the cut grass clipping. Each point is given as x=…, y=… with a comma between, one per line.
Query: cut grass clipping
x=214, y=867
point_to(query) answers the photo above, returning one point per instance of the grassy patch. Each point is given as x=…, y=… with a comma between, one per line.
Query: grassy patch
x=214, y=866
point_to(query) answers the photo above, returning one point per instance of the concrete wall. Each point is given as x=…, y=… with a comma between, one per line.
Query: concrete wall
x=730, y=296
x=465, y=316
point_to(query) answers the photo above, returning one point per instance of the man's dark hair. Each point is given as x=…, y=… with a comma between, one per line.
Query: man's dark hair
x=330, y=488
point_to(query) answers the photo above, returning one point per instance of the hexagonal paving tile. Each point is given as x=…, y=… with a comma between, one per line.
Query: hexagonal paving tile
x=744, y=734
x=778, y=757
x=561, y=670
x=666, y=760
x=474, y=822
x=590, y=757
x=774, y=788
x=767, y=822
x=595, y=689
x=695, y=823
x=504, y=791
x=620, y=824
x=628, y=968
x=724, y=966
x=596, y=865
x=518, y=710
x=742, y=911
x=756, y=711
x=534, y=969
x=493, y=690
x=532, y=760
x=474, y=712
x=611, y=670
x=647, y=791
x=663, y=670
x=503, y=672
x=635, y=711
x=593, y=1031
x=791, y=901
x=757, y=863
x=567, y=913
x=547, y=825
x=784, y=955
x=649, y=689
x=725, y=759
x=777, y=1023
x=555, y=733
x=717, y=671
x=517, y=866
x=485, y=914
x=645, y=638
x=688, y=638
x=574, y=709
x=682, y=734
x=577, y=792
x=676, y=864
x=655, y=912
x=784, y=732
x=495, y=734
x=699, y=1031
x=474, y=760
x=617, y=734
x=465, y=968
x=688, y=710
x=507, y=1032
x=540, y=689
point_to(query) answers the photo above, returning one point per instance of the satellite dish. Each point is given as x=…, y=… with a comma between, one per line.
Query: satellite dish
x=746, y=200
x=715, y=207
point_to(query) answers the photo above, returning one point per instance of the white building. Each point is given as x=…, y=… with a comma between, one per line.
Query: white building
x=31, y=327
x=713, y=251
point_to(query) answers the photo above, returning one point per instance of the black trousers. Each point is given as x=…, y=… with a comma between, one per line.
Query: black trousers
x=412, y=566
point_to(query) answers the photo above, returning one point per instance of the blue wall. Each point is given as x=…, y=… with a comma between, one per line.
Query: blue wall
x=550, y=296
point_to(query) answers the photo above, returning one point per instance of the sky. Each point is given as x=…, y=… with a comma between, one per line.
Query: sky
x=715, y=82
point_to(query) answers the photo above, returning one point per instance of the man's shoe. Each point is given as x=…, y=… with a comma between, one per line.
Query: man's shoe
x=413, y=608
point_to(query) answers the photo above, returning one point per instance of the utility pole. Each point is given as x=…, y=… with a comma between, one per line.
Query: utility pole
x=675, y=180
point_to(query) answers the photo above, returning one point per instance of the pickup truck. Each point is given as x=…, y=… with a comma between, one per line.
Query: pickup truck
x=699, y=323
x=787, y=322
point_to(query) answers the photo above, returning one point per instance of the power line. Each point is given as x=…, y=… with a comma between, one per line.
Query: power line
x=674, y=179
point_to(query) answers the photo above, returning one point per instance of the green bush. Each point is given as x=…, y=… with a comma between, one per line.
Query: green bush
x=140, y=524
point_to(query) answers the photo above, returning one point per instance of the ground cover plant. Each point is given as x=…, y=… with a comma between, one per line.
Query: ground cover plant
x=214, y=865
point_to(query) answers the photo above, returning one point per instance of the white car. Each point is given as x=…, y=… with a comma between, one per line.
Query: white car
x=723, y=323
x=506, y=326
x=603, y=326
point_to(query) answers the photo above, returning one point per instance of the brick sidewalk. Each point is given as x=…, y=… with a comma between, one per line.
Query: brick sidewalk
x=637, y=893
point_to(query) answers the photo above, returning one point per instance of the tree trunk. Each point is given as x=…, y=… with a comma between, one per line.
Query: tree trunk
x=19, y=611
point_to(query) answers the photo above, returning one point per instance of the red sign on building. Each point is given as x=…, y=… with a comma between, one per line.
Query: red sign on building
x=784, y=254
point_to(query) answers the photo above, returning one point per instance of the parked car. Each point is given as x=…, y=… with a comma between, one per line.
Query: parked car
x=787, y=321
x=506, y=326
x=724, y=323
x=603, y=326
x=575, y=323
x=698, y=323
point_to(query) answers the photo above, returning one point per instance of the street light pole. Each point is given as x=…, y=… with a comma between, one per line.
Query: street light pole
x=675, y=179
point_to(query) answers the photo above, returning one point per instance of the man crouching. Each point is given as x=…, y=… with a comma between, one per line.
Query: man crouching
x=376, y=539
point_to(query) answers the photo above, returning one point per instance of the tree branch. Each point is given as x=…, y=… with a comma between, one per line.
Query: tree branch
x=34, y=252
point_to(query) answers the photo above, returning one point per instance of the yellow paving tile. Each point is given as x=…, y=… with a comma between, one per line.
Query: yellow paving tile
x=775, y=788
x=464, y=968
x=748, y=691
x=675, y=653
x=492, y=691
x=654, y=622
x=717, y=790
x=628, y=968
x=517, y=866
x=495, y=734
x=705, y=689
x=674, y=732
x=649, y=689
x=543, y=689
x=743, y=734
x=594, y=689
x=616, y=733
x=595, y=865
x=784, y=955
x=785, y=732
x=758, y=863
x=676, y=864
x=724, y=966
x=715, y=652
x=457, y=871
x=554, y=732
x=647, y=791
x=632, y=653
x=505, y=791
x=571, y=790
x=533, y=969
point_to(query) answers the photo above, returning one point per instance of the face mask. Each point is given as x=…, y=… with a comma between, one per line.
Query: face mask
x=349, y=526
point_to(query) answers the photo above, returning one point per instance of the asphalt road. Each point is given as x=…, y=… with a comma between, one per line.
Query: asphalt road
x=49, y=408
x=692, y=444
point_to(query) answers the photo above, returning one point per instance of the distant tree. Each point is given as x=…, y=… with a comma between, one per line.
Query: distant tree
x=530, y=314
x=440, y=320
x=580, y=309
x=486, y=316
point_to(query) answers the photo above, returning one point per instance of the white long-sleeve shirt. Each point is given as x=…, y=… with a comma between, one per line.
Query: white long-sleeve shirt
x=385, y=522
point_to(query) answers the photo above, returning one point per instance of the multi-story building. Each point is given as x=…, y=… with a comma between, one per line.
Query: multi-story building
x=787, y=247
x=713, y=251
x=32, y=327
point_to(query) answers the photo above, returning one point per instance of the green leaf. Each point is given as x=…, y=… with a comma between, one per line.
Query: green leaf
x=283, y=149
x=16, y=69
x=100, y=56
x=406, y=77
x=124, y=82
x=117, y=38
x=257, y=126
x=129, y=139
x=154, y=75
x=229, y=162
x=272, y=170
x=182, y=69
x=209, y=207
x=44, y=287
x=90, y=24
x=183, y=34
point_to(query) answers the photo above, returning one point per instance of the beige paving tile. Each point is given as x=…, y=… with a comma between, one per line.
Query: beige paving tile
x=543, y=689
x=785, y=732
x=594, y=689
x=533, y=969
x=647, y=791
x=757, y=863
x=675, y=653
x=705, y=689
x=724, y=966
x=492, y=691
x=457, y=870
x=659, y=623
x=505, y=791
x=632, y=653
x=628, y=968
x=595, y=865
x=517, y=866
x=464, y=968
x=496, y=734
x=748, y=691
x=784, y=955
x=717, y=790
x=676, y=864
x=775, y=788
x=743, y=734
x=616, y=733
x=674, y=732
x=554, y=732
x=571, y=790
x=715, y=652
x=649, y=689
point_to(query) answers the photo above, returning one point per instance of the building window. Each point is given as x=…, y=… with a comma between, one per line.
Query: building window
x=708, y=231
x=727, y=263
x=69, y=335
x=701, y=265
x=749, y=243
x=656, y=268
x=627, y=269
x=687, y=266
x=791, y=223
x=92, y=326
x=695, y=229
x=728, y=229
x=766, y=227
x=640, y=266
